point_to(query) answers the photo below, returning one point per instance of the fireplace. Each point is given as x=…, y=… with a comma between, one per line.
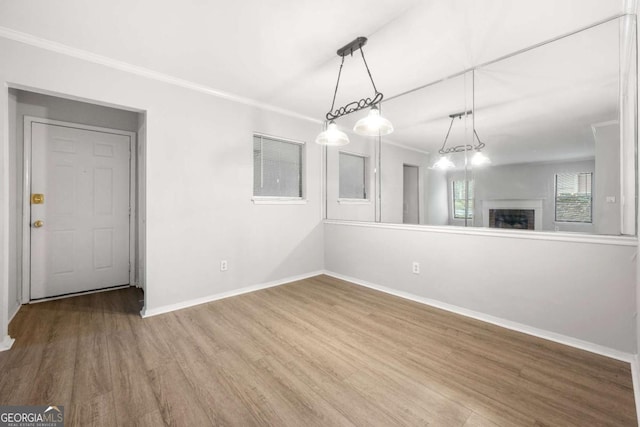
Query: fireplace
x=518, y=214
x=521, y=219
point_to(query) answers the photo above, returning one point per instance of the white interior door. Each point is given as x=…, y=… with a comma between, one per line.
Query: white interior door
x=82, y=240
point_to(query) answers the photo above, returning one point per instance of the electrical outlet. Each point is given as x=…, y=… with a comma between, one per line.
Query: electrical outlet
x=416, y=268
x=223, y=265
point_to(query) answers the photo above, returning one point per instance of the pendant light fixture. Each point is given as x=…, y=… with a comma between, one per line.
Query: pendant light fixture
x=478, y=158
x=373, y=124
x=332, y=136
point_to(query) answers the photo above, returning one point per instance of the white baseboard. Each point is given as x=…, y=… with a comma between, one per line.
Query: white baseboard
x=222, y=295
x=15, y=311
x=530, y=330
x=635, y=376
x=6, y=343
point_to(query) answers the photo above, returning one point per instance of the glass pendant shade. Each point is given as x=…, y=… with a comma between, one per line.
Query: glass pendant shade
x=374, y=124
x=332, y=136
x=480, y=159
x=443, y=163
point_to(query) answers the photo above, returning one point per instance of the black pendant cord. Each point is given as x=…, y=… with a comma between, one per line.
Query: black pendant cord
x=480, y=143
x=460, y=148
x=335, y=92
x=353, y=106
x=442, y=150
x=369, y=72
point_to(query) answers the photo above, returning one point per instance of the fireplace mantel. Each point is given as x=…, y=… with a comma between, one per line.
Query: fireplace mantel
x=535, y=204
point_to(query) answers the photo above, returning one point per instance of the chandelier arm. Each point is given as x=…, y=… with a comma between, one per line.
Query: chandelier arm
x=335, y=92
x=442, y=150
x=367, y=67
x=354, y=106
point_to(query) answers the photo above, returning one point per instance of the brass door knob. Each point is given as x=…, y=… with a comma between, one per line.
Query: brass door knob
x=38, y=223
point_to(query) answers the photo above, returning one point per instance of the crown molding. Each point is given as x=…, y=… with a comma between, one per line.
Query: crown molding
x=85, y=55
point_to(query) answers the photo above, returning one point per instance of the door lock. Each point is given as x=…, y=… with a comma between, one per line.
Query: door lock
x=37, y=199
x=39, y=223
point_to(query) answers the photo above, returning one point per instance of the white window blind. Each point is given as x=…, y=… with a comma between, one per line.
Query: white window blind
x=353, y=176
x=462, y=203
x=277, y=168
x=573, y=197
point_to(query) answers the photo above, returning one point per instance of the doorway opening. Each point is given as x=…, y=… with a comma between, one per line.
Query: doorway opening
x=410, y=194
x=77, y=197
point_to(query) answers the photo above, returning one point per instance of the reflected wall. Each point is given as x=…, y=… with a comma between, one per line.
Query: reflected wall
x=555, y=125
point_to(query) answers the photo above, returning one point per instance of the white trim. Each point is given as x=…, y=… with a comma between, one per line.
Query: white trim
x=278, y=201
x=354, y=201
x=76, y=294
x=63, y=49
x=17, y=309
x=6, y=343
x=515, y=326
x=4, y=222
x=630, y=7
x=26, y=212
x=503, y=233
x=323, y=183
x=71, y=97
x=210, y=298
x=635, y=376
x=26, y=196
x=133, y=206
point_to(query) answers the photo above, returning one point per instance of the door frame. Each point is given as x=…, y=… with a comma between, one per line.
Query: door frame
x=26, y=198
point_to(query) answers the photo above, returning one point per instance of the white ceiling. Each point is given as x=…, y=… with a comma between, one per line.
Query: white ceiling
x=282, y=52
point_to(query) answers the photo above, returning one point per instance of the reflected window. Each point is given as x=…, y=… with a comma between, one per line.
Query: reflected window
x=353, y=176
x=573, y=197
x=277, y=168
x=463, y=205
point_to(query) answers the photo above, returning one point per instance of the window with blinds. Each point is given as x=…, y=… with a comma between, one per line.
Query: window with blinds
x=277, y=167
x=462, y=205
x=352, y=176
x=574, y=197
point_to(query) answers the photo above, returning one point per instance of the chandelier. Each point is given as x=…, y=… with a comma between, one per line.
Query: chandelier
x=373, y=124
x=478, y=159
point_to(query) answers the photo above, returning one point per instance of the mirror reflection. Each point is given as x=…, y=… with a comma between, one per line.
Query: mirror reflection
x=542, y=140
x=549, y=117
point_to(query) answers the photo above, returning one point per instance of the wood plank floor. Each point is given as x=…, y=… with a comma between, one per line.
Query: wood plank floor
x=318, y=352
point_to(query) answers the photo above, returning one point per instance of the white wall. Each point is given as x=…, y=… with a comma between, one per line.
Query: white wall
x=582, y=290
x=199, y=179
x=606, y=214
x=531, y=181
x=437, y=198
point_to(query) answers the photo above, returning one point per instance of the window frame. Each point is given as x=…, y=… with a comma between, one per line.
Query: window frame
x=291, y=200
x=366, y=176
x=555, y=198
x=453, y=199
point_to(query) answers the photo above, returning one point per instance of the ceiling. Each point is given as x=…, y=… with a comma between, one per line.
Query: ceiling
x=282, y=52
